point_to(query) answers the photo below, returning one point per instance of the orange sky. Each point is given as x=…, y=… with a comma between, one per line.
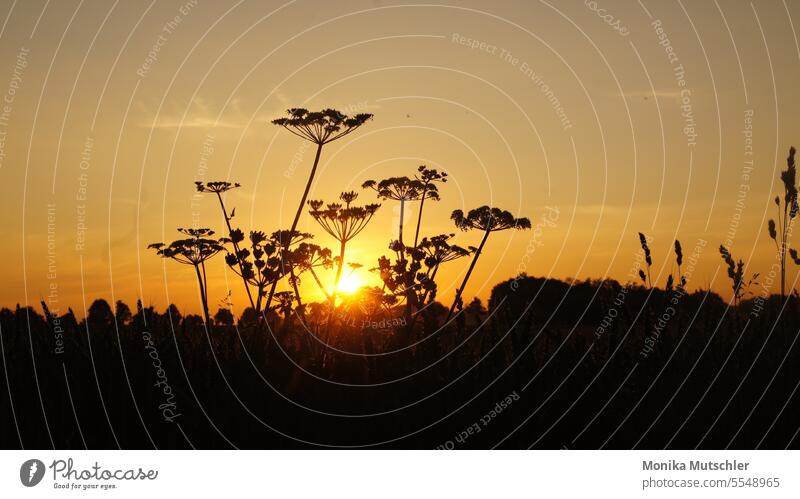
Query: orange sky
x=595, y=119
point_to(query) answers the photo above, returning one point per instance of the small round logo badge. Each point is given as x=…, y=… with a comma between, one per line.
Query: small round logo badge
x=31, y=472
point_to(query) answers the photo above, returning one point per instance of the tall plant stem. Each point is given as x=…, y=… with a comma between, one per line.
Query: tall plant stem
x=784, y=226
x=297, y=294
x=336, y=285
x=307, y=190
x=257, y=308
x=236, y=249
x=419, y=217
x=425, y=295
x=205, y=277
x=319, y=283
x=338, y=273
x=286, y=244
x=203, y=297
x=432, y=278
x=402, y=215
x=466, y=277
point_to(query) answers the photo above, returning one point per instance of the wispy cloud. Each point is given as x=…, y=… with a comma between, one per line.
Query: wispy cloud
x=200, y=115
x=194, y=122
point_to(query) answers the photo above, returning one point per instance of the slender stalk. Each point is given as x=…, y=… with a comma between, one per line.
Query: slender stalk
x=236, y=249
x=432, y=278
x=285, y=244
x=335, y=290
x=203, y=298
x=319, y=283
x=257, y=308
x=425, y=295
x=784, y=224
x=297, y=294
x=419, y=217
x=307, y=190
x=205, y=277
x=402, y=215
x=338, y=275
x=466, y=277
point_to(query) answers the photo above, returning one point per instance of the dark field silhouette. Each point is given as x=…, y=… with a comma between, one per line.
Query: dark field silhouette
x=547, y=364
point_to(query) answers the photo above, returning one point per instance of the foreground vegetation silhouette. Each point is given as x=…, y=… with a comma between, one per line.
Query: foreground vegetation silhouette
x=119, y=378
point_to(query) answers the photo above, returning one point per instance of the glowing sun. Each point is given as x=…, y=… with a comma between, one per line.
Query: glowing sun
x=350, y=284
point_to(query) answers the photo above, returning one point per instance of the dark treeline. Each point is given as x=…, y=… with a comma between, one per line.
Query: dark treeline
x=546, y=363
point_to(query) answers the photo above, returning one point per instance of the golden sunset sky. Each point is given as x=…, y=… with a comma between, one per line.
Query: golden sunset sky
x=596, y=120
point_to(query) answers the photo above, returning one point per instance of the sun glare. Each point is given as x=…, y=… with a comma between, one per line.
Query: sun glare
x=350, y=284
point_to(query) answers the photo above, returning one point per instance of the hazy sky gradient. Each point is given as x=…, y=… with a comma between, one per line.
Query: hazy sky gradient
x=614, y=161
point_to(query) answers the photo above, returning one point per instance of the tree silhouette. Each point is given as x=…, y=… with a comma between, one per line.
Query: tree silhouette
x=224, y=317
x=343, y=223
x=428, y=178
x=488, y=220
x=788, y=212
x=194, y=250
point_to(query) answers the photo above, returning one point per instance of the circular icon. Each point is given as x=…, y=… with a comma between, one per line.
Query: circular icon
x=31, y=472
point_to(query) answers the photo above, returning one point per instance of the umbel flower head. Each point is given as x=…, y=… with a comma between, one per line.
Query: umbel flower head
x=308, y=256
x=258, y=262
x=489, y=220
x=193, y=250
x=438, y=251
x=342, y=221
x=429, y=175
x=320, y=127
x=396, y=188
x=216, y=187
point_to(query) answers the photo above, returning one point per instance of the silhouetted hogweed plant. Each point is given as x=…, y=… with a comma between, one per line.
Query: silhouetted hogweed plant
x=487, y=220
x=438, y=250
x=402, y=189
x=306, y=258
x=343, y=222
x=409, y=274
x=193, y=250
x=260, y=263
x=218, y=188
x=319, y=128
x=428, y=177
